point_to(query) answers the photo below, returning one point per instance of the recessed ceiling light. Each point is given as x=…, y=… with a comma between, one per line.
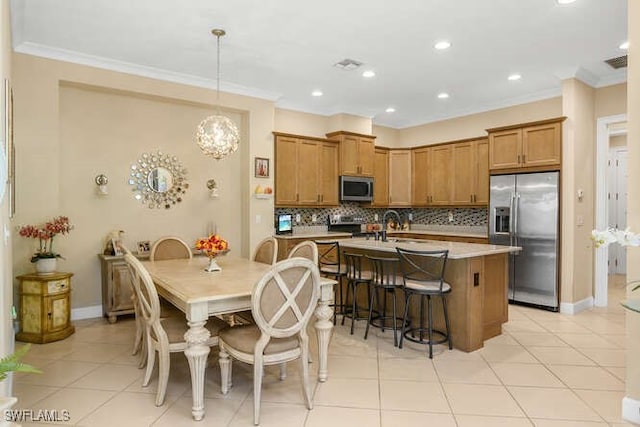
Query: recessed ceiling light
x=514, y=77
x=368, y=73
x=443, y=95
x=390, y=110
x=565, y=1
x=442, y=45
x=316, y=93
x=624, y=46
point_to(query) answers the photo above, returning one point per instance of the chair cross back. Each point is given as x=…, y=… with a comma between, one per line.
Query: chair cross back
x=329, y=253
x=423, y=266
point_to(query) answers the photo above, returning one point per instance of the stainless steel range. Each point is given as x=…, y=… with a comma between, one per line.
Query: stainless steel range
x=345, y=224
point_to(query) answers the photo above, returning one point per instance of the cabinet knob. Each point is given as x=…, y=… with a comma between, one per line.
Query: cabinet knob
x=523, y=158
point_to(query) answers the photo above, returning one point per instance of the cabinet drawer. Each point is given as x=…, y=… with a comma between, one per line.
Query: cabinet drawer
x=55, y=286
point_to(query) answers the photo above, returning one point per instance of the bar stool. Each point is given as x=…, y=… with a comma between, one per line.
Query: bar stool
x=423, y=276
x=355, y=277
x=385, y=279
x=330, y=265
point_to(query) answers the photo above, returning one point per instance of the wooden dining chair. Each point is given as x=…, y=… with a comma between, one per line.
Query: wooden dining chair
x=306, y=249
x=162, y=335
x=169, y=247
x=266, y=251
x=282, y=303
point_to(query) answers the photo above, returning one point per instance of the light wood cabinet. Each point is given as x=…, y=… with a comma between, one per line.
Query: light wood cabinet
x=439, y=175
x=45, y=307
x=399, y=178
x=381, y=177
x=470, y=173
x=534, y=146
x=306, y=171
x=419, y=176
x=357, y=153
x=117, y=288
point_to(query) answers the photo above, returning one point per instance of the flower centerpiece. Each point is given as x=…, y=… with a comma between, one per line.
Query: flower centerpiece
x=212, y=246
x=625, y=237
x=44, y=257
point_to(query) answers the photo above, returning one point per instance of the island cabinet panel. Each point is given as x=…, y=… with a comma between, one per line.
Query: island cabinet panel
x=496, y=309
x=381, y=178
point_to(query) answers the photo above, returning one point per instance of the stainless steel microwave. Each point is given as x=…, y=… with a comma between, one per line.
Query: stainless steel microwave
x=356, y=189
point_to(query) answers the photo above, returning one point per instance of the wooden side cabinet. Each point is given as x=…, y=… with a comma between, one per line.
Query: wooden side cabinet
x=45, y=307
x=117, y=288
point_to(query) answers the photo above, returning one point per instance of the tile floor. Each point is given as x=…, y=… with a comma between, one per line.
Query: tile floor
x=545, y=370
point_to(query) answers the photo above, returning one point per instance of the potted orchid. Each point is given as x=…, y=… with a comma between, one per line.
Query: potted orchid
x=44, y=257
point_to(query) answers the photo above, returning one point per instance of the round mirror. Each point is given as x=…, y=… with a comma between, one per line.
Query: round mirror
x=160, y=180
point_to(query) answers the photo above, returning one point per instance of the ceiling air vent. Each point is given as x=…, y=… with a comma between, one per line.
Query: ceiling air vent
x=348, y=64
x=619, y=62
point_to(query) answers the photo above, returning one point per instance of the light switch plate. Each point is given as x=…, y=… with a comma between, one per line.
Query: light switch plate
x=410, y=217
x=375, y=217
x=297, y=218
x=314, y=218
x=258, y=219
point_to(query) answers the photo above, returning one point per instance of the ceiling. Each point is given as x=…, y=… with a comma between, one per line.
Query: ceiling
x=282, y=50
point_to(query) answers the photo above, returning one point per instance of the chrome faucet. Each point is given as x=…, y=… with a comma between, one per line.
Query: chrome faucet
x=384, y=222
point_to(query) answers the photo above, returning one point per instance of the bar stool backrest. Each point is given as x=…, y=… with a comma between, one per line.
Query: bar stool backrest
x=353, y=264
x=423, y=266
x=328, y=255
x=385, y=271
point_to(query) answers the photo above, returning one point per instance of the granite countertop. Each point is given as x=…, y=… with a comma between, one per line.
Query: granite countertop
x=312, y=235
x=457, y=250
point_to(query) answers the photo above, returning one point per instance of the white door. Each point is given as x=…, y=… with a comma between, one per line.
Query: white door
x=617, y=209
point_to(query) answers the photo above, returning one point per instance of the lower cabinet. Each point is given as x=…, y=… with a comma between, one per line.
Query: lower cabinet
x=45, y=307
x=117, y=288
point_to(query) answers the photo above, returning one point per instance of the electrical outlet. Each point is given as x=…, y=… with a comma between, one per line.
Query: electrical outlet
x=314, y=218
x=258, y=219
x=450, y=216
x=298, y=218
x=375, y=217
x=410, y=217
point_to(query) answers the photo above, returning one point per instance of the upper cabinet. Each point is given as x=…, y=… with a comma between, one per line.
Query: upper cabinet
x=306, y=171
x=399, y=178
x=470, y=172
x=381, y=177
x=357, y=153
x=533, y=146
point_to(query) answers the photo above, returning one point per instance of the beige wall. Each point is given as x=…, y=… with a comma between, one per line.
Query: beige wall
x=633, y=207
x=350, y=123
x=578, y=148
x=299, y=123
x=611, y=100
x=386, y=137
x=474, y=125
x=6, y=330
x=74, y=122
x=618, y=141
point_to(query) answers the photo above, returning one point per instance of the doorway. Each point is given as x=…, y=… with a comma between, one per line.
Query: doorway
x=617, y=200
x=606, y=128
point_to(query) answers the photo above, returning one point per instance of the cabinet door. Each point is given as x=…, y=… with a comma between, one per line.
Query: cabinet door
x=286, y=171
x=419, y=176
x=349, y=164
x=541, y=145
x=329, y=174
x=381, y=178
x=122, y=287
x=400, y=178
x=463, y=176
x=308, y=171
x=440, y=175
x=481, y=193
x=58, y=312
x=505, y=149
x=366, y=156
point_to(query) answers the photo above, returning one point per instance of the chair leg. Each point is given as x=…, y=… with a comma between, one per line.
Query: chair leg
x=225, y=370
x=283, y=371
x=366, y=330
x=164, y=364
x=384, y=308
x=257, y=390
x=337, y=296
x=395, y=328
x=446, y=321
x=430, y=314
x=354, y=305
x=343, y=302
x=404, y=318
x=422, y=318
x=142, y=354
x=151, y=361
x=306, y=389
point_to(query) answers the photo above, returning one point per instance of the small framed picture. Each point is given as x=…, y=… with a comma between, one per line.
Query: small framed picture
x=261, y=167
x=118, y=248
x=144, y=247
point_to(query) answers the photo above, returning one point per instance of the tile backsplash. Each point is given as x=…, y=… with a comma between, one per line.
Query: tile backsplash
x=468, y=217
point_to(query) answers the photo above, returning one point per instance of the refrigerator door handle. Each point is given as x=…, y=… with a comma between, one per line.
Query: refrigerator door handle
x=511, y=208
x=516, y=213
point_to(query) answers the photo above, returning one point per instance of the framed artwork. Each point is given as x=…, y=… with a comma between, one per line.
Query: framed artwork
x=118, y=249
x=144, y=247
x=261, y=167
x=9, y=148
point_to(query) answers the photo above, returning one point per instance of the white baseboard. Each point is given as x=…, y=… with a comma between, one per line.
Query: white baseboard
x=86, y=312
x=576, y=307
x=631, y=410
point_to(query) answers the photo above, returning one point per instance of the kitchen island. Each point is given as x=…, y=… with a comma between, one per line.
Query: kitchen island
x=478, y=275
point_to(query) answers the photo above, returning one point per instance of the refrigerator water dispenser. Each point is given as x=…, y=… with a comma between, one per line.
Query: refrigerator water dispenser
x=503, y=216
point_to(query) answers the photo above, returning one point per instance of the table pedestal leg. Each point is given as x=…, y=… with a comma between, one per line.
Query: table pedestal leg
x=196, y=353
x=323, y=330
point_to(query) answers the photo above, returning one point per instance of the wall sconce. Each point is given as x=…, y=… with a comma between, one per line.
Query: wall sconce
x=212, y=185
x=101, y=182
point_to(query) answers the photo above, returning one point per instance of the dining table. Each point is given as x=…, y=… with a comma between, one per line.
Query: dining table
x=201, y=294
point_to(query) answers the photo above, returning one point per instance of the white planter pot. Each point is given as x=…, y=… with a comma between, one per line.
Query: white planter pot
x=46, y=265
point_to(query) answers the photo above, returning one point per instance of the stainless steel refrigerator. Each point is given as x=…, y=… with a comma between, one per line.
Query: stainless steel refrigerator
x=524, y=211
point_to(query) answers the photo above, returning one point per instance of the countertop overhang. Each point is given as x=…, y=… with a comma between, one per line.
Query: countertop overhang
x=457, y=250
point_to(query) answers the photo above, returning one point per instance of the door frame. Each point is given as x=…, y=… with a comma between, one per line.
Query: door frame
x=603, y=133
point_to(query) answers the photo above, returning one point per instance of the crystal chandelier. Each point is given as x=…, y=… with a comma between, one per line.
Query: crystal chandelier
x=217, y=135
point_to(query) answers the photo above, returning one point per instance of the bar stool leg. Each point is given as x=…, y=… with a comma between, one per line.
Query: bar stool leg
x=345, y=301
x=446, y=321
x=395, y=336
x=430, y=314
x=373, y=295
x=354, y=305
x=404, y=318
